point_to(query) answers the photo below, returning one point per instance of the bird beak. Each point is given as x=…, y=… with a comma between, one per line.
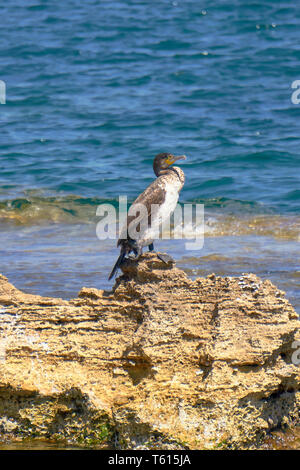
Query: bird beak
x=172, y=160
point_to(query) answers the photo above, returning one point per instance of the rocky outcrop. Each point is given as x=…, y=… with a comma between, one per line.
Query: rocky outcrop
x=161, y=361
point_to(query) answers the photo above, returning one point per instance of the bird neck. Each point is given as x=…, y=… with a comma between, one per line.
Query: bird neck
x=161, y=171
x=174, y=171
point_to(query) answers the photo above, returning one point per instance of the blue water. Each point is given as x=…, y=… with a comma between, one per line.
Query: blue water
x=95, y=89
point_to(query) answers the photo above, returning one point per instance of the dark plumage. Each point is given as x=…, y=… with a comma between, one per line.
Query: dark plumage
x=162, y=192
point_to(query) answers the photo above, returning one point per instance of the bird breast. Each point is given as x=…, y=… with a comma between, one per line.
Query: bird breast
x=171, y=189
x=164, y=211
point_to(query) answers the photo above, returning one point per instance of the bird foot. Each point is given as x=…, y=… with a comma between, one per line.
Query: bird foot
x=165, y=258
x=134, y=257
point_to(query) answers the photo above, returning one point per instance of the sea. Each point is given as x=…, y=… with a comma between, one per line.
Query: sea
x=91, y=91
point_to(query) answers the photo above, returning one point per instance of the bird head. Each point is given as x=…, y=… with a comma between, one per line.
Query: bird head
x=162, y=161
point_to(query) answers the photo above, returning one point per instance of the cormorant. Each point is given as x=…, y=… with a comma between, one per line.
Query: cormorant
x=162, y=192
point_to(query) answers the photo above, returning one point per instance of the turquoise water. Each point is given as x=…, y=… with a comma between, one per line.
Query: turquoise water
x=95, y=89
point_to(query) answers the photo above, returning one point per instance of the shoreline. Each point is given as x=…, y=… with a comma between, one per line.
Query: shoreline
x=57, y=260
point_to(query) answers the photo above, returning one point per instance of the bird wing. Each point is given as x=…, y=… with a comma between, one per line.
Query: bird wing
x=153, y=194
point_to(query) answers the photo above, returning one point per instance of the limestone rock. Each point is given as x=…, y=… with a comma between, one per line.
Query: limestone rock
x=161, y=361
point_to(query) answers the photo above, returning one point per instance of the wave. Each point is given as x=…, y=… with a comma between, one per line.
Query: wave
x=223, y=217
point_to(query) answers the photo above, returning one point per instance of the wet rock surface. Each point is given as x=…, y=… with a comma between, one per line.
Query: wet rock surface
x=161, y=361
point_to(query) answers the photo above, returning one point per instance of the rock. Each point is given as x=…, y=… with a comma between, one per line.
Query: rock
x=161, y=361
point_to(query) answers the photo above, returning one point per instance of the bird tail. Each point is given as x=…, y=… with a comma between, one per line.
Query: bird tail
x=117, y=265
